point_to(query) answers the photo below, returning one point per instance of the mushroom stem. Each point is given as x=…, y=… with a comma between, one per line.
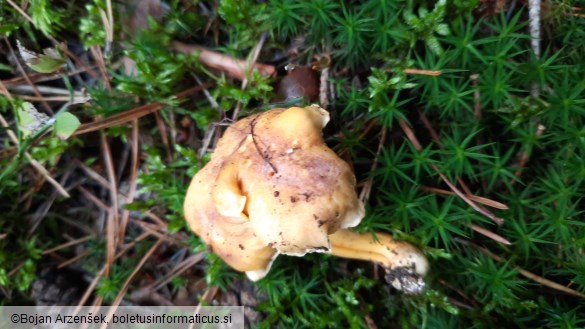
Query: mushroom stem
x=405, y=265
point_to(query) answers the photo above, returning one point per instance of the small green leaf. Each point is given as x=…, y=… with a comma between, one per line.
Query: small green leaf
x=442, y=29
x=65, y=125
x=4, y=67
x=48, y=62
x=30, y=120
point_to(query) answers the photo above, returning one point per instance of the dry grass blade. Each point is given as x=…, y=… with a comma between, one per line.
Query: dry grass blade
x=40, y=77
x=479, y=209
x=94, y=199
x=96, y=279
x=135, y=113
x=367, y=189
x=67, y=244
x=489, y=234
x=178, y=269
x=8, y=152
x=459, y=292
x=122, y=292
x=46, y=90
x=90, y=289
x=112, y=222
x=93, y=175
x=101, y=64
x=473, y=205
x=525, y=155
x=39, y=167
x=248, y=70
x=76, y=100
x=136, y=269
x=485, y=201
x=133, y=181
x=74, y=259
x=20, y=11
x=161, y=223
x=478, y=199
x=162, y=128
x=412, y=138
x=370, y=322
x=154, y=231
x=207, y=140
x=208, y=296
x=528, y=274
x=549, y=283
x=433, y=73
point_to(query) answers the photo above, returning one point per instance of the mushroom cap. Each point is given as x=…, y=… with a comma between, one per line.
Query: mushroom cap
x=272, y=186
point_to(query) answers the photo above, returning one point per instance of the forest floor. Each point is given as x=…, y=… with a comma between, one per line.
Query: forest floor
x=463, y=120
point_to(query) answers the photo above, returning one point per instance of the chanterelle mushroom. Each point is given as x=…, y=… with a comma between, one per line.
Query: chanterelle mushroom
x=274, y=187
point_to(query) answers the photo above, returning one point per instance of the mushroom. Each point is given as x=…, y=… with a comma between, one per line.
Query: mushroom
x=300, y=81
x=273, y=187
